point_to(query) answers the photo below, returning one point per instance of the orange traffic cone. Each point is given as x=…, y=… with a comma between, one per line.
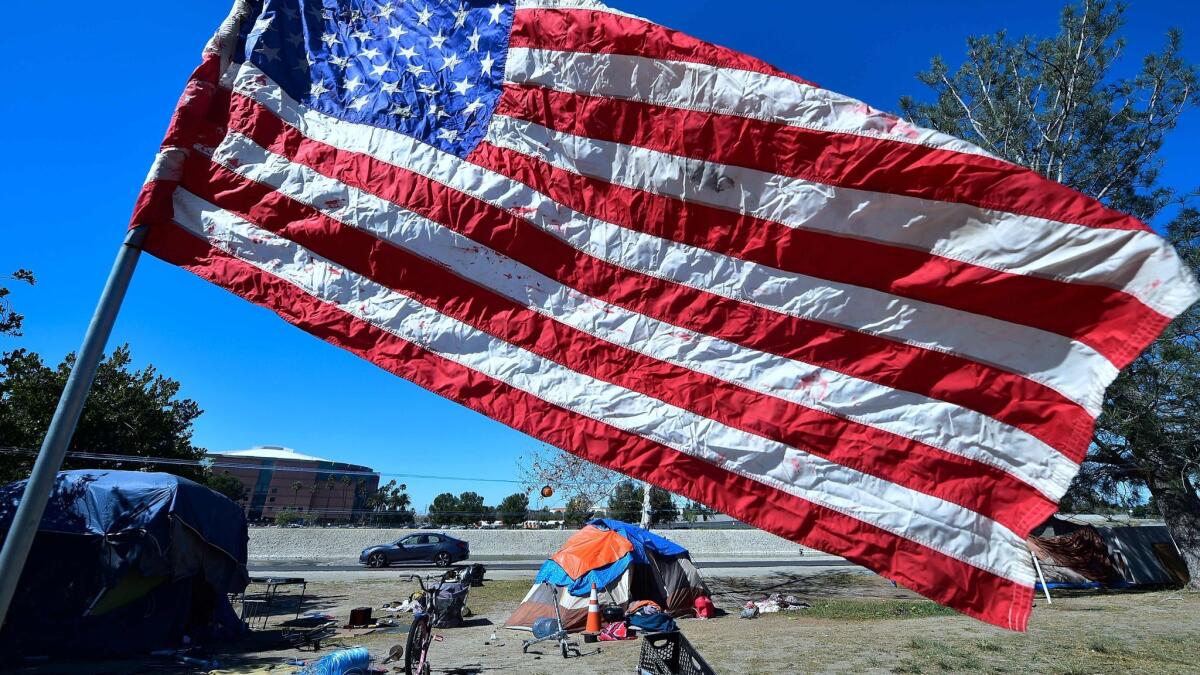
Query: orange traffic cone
x=593, y=618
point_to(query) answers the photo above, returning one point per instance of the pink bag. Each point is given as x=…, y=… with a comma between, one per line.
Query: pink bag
x=615, y=631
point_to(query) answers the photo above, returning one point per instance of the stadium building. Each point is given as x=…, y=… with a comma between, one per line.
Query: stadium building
x=278, y=479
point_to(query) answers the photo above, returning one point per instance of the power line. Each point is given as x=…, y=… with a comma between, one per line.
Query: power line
x=174, y=461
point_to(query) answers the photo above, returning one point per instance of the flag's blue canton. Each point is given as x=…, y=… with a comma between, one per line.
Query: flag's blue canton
x=432, y=69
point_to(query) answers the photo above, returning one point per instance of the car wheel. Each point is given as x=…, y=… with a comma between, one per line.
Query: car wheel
x=442, y=559
x=377, y=559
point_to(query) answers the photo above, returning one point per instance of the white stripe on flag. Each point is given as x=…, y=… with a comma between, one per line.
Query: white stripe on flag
x=1069, y=367
x=1133, y=261
x=960, y=431
x=706, y=88
x=942, y=526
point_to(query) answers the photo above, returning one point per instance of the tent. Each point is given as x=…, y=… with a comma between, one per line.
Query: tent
x=626, y=563
x=1084, y=556
x=125, y=562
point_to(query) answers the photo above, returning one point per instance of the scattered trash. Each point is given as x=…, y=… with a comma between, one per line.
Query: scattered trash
x=474, y=575
x=310, y=636
x=359, y=617
x=395, y=653
x=776, y=603
x=342, y=662
x=396, y=606
x=616, y=631
x=750, y=611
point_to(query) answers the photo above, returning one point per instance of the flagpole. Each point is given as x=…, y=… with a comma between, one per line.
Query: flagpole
x=62, y=426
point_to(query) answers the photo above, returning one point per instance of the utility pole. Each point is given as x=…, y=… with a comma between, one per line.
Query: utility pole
x=645, y=524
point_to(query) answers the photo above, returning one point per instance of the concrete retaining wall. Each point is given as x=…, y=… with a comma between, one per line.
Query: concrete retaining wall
x=316, y=543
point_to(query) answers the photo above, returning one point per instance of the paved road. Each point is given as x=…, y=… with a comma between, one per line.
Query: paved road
x=307, y=566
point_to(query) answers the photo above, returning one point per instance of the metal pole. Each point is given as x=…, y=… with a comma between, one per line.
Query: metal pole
x=1038, y=566
x=66, y=416
x=646, y=519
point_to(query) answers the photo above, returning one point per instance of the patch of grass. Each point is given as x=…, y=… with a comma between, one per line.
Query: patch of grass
x=946, y=656
x=1107, y=645
x=874, y=610
x=985, y=646
x=492, y=593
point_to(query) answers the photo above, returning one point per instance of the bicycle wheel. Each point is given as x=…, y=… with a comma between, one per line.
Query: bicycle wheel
x=416, y=652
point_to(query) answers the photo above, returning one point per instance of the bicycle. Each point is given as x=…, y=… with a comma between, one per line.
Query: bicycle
x=426, y=615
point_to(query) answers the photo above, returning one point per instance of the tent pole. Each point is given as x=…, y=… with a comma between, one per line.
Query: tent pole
x=66, y=416
x=1038, y=566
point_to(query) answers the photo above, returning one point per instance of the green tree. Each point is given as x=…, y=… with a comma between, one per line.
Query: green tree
x=346, y=482
x=625, y=503
x=398, y=499
x=578, y=510
x=514, y=509
x=444, y=510
x=471, y=508
x=662, y=507
x=1057, y=106
x=10, y=320
x=695, y=511
x=287, y=517
x=134, y=413
x=227, y=484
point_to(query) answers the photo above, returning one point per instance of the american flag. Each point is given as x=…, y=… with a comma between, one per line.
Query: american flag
x=673, y=260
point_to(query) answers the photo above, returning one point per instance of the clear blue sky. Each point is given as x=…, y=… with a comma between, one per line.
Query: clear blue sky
x=90, y=87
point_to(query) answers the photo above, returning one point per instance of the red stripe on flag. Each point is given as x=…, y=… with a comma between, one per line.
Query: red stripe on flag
x=976, y=486
x=893, y=364
x=943, y=579
x=1025, y=404
x=878, y=164
x=581, y=30
x=1100, y=317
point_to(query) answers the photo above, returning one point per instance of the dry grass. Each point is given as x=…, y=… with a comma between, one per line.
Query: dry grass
x=857, y=624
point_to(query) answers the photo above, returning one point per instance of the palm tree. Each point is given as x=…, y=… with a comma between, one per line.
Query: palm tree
x=346, y=482
x=296, y=487
x=330, y=481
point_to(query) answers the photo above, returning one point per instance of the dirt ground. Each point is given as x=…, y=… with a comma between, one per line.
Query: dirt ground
x=858, y=623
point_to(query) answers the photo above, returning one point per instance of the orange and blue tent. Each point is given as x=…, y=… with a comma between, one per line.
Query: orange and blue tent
x=626, y=563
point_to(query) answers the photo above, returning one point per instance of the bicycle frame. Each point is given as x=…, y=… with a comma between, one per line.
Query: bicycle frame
x=424, y=620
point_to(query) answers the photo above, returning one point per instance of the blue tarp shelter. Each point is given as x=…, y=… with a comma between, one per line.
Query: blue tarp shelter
x=125, y=562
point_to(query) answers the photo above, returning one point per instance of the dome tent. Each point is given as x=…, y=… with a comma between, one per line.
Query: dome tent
x=626, y=563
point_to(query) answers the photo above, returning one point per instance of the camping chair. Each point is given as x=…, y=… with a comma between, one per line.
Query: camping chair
x=551, y=629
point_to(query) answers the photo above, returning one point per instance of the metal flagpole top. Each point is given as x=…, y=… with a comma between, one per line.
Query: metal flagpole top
x=66, y=416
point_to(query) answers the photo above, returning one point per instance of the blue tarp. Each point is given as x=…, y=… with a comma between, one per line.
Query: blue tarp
x=641, y=539
x=601, y=576
x=124, y=562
